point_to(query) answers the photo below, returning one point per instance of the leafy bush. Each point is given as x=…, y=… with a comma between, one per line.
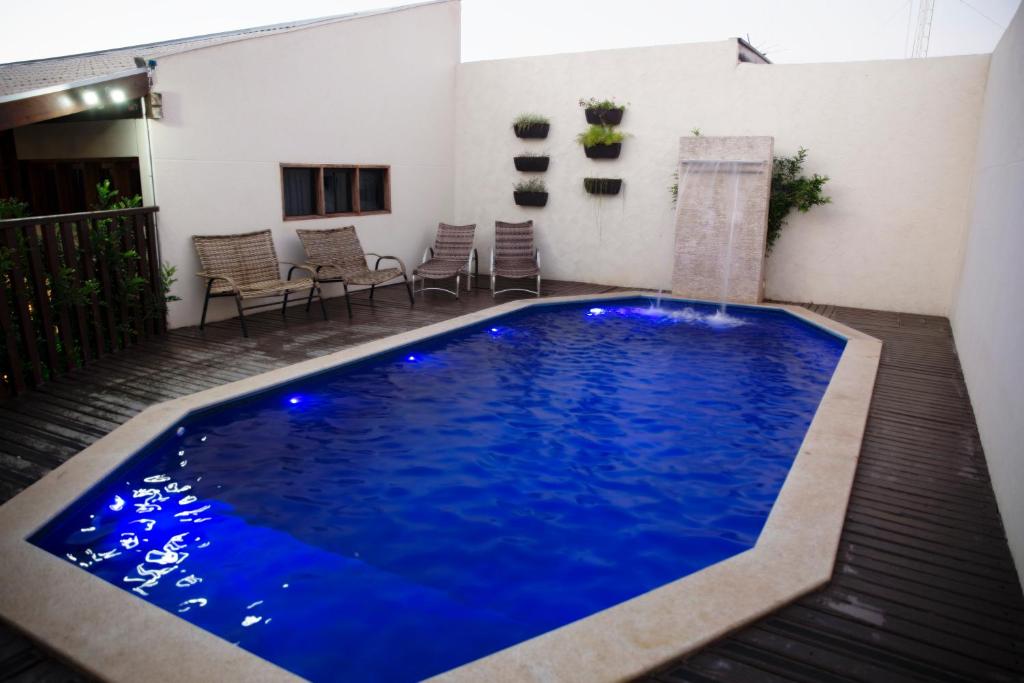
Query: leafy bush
x=531, y=185
x=790, y=190
x=600, y=135
x=594, y=103
x=12, y=207
x=524, y=121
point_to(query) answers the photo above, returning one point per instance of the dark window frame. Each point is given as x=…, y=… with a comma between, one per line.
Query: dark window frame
x=319, y=185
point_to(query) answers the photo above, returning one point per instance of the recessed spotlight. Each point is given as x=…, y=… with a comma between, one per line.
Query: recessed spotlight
x=90, y=98
x=117, y=96
x=65, y=101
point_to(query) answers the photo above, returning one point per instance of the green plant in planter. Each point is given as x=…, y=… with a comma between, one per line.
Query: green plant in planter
x=12, y=207
x=524, y=122
x=532, y=155
x=600, y=135
x=594, y=103
x=531, y=185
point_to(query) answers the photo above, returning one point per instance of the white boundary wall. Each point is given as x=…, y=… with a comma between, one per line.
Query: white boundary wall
x=896, y=137
x=988, y=323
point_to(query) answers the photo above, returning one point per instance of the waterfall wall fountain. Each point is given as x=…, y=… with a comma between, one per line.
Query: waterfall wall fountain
x=722, y=218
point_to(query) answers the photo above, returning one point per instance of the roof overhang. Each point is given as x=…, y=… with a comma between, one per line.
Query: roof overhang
x=33, y=106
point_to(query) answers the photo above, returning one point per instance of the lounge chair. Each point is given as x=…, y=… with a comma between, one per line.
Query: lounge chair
x=514, y=256
x=245, y=267
x=336, y=255
x=452, y=255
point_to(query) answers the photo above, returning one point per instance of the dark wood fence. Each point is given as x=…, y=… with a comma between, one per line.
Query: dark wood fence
x=73, y=288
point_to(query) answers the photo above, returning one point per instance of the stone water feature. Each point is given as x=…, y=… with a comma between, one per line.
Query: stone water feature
x=722, y=218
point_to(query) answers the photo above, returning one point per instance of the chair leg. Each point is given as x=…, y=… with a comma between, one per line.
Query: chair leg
x=348, y=300
x=309, y=300
x=408, y=289
x=494, y=284
x=241, y=316
x=323, y=306
x=284, y=304
x=538, y=286
x=206, y=303
x=458, y=284
x=372, y=287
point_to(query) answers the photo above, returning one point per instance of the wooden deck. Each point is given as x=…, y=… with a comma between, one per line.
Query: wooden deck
x=924, y=587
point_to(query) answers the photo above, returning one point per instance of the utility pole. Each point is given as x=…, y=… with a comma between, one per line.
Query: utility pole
x=924, y=28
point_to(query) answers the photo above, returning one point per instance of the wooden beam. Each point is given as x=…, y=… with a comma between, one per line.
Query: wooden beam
x=71, y=100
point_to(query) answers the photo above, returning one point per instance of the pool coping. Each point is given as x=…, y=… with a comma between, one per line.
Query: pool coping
x=113, y=635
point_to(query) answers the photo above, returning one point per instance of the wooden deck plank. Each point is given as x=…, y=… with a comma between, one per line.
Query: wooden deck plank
x=924, y=586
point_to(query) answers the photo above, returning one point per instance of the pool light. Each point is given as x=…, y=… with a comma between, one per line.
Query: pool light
x=596, y=311
x=294, y=400
x=411, y=359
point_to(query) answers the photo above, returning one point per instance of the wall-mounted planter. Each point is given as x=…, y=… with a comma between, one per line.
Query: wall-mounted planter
x=605, y=117
x=532, y=164
x=532, y=130
x=604, y=151
x=602, y=185
x=531, y=198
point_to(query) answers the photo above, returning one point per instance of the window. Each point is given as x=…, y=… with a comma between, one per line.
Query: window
x=334, y=190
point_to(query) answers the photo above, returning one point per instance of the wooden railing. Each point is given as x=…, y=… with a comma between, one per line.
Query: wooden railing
x=73, y=288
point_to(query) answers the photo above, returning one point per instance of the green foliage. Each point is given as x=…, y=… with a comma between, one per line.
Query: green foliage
x=600, y=135
x=695, y=132
x=524, y=121
x=791, y=190
x=594, y=103
x=531, y=185
x=12, y=207
x=532, y=155
x=167, y=279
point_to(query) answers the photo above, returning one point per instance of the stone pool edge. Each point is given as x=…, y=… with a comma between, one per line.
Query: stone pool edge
x=109, y=633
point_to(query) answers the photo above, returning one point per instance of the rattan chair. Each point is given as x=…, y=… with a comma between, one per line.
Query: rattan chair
x=245, y=267
x=336, y=255
x=452, y=255
x=514, y=256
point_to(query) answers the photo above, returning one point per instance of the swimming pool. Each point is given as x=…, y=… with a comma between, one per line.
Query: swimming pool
x=398, y=517
x=425, y=500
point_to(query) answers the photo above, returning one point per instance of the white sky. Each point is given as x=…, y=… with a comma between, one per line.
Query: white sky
x=787, y=30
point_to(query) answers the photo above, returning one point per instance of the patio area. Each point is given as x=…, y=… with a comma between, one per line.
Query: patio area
x=924, y=587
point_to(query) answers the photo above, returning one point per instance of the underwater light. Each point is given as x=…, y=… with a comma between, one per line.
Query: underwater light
x=596, y=311
x=494, y=329
x=411, y=358
x=294, y=399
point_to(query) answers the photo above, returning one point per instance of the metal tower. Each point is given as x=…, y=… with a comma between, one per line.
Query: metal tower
x=924, y=28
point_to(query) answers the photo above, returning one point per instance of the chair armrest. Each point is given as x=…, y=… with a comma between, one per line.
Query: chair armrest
x=376, y=266
x=211, y=278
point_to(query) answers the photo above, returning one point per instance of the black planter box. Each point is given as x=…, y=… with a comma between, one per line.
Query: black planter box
x=532, y=164
x=533, y=130
x=604, y=151
x=531, y=198
x=607, y=117
x=602, y=185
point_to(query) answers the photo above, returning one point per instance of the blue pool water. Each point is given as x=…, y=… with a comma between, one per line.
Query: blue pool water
x=395, y=518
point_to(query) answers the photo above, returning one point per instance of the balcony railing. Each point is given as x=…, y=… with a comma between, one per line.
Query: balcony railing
x=73, y=288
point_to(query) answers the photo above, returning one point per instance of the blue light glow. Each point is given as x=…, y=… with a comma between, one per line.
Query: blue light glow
x=411, y=359
x=295, y=399
x=596, y=311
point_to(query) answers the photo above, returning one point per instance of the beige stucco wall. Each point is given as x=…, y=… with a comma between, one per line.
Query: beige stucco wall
x=897, y=138
x=373, y=90
x=88, y=140
x=987, y=320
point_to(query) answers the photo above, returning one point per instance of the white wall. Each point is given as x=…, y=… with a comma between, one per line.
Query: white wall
x=896, y=137
x=373, y=90
x=988, y=318
x=88, y=140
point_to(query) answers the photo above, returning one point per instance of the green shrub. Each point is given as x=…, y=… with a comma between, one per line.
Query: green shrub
x=594, y=103
x=524, y=121
x=790, y=190
x=600, y=135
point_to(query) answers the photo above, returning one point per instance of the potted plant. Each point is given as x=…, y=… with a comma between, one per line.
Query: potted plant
x=532, y=163
x=602, y=185
x=531, y=192
x=603, y=112
x=601, y=142
x=531, y=126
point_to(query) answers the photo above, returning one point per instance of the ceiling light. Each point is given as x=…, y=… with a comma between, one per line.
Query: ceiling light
x=90, y=98
x=117, y=96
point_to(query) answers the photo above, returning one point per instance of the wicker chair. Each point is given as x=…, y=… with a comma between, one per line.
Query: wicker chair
x=245, y=267
x=452, y=255
x=336, y=255
x=514, y=256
